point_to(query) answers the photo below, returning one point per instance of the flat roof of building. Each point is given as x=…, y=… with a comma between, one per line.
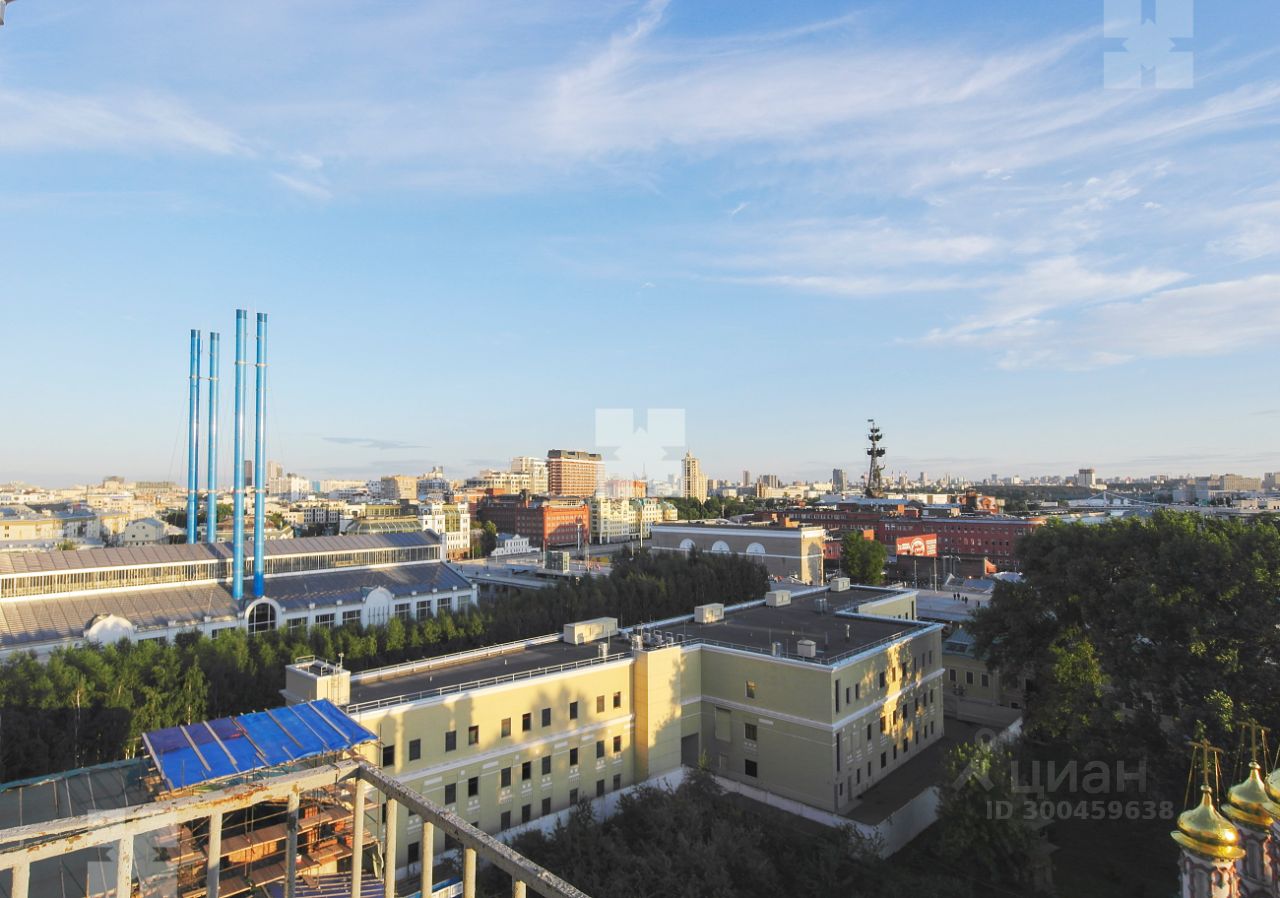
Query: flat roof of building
x=817, y=616
x=54, y=562
x=475, y=668
x=754, y=628
x=707, y=524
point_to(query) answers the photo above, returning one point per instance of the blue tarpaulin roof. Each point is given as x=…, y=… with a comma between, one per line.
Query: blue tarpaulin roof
x=230, y=746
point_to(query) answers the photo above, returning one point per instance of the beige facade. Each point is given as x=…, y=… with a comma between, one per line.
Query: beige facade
x=623, y=520
x=784, y=551
x=511, y=733
x=399, y=486
x=694, y=484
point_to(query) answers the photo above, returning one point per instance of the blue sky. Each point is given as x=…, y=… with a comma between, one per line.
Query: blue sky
x=474, y=224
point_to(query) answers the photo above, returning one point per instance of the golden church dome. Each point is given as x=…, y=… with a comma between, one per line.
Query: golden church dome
x=1202, y=829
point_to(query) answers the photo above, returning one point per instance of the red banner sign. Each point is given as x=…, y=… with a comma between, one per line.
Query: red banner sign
x=926, y=545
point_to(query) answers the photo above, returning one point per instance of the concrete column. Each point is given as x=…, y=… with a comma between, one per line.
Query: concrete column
x=291, y=847
x=213, y=864
x=124, y=867
x=389, y=849
x=468, y=873
x=357, y=838
x=21, y=879
x=428, y=853
x=517, y=888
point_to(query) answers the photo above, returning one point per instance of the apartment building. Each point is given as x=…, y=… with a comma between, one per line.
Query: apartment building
x=451, y=521
x=814, y=699
x=571, y=472
x=623, y=520
x=694, y=482
x=399, y=486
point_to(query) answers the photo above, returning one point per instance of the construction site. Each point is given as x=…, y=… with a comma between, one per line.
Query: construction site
x=276, y=803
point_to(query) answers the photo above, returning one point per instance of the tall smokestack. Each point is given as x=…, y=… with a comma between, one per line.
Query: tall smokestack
x=193, y=438
x=259, y=462
x=237, y=463
x=211, y=508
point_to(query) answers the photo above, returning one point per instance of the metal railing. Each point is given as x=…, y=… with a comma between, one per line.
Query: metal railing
x=421, y=665
x=681, y=638
x=406, y=698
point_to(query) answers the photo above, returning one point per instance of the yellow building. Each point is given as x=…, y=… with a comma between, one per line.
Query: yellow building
x=801, y=698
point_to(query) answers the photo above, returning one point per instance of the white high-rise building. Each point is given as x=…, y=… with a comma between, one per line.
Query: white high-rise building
x=535, y=469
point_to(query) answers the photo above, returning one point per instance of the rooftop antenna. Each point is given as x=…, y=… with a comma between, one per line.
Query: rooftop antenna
x=875, y=470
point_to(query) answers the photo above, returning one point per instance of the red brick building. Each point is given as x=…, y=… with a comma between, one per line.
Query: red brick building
x=970, y=537
x=547, y=522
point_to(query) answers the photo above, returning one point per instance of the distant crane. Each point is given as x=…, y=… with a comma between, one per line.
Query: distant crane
x=875, y=471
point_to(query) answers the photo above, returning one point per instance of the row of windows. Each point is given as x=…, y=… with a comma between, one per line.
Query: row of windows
x=855, y=779
x=968, y=677
x=505, y=821
x=212, y=569
x=526, y=723
x=505, y=774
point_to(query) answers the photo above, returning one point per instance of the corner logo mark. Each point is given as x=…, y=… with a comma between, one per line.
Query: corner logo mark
x=1146, y=30
x=640, y=450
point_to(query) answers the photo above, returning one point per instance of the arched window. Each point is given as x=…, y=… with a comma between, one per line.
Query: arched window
x=720, y=547
x=262, y=618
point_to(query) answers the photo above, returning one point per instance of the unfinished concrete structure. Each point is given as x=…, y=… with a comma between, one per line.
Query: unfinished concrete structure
x=277, y=801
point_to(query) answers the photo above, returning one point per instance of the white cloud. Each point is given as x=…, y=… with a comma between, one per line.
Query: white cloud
x=38, y=121
x=309, y=187
x=1201, y=320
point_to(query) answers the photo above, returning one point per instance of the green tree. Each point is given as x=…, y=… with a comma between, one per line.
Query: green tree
x=862, y=560
x=1138, y=632
x=976, y=790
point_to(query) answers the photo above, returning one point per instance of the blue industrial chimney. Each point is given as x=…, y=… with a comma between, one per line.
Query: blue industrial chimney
x=237, y=462
x=211, y=513
x=259, y=462
x=193, y=438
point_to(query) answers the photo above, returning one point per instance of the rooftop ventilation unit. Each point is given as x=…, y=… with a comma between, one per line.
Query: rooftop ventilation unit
x=709, y=614
x=582, y=632
x=838, y=584
x=777, y=598
x=807, y=648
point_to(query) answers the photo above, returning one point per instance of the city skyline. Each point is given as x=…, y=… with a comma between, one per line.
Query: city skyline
x=1008, y=265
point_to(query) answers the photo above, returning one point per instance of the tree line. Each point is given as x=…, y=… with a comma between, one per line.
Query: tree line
x=1141, y=634
x=695, y=841
x=91, y=704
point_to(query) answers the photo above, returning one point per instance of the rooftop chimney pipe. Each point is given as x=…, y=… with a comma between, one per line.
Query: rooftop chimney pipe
x=237, y=464
x=193, y=438
x=259, y=461
x=211, y=513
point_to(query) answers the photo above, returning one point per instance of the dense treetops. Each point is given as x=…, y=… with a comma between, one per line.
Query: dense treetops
x=695, y=841
x=90, y=705
x=1138, y=634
